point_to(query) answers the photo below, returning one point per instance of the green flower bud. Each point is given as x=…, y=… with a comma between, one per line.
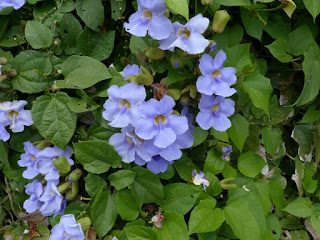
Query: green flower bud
x=155, y=53
x=75, y=175
x=85, y=223
x=220, y=20
x=206, y=2
x=3, y=61
x=73, y=192
x=64, y=187
x=225, y=184
x=192, y=89
x=42, y=144
x=3, y=77
x=144, y=78
x=11, y=72
x=62, y=164
x=174, y=93
x=289, y=8
x=184, y=100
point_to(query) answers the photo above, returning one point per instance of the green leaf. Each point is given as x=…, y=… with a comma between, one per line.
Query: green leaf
x=238, y=57
x=259, y=89
x=179, y=197
x=122, y=179
x=174, y=223
x=300, y=207
x=38, y=35
x=53, y=118
x=137, y=233
x=279, y=49
x=214, y=163
x=184, y=167
x=312, y=115
x=179, y=7
x=233, y=2
x=205, y=218
x=252, y=24
x=239, y=131
x=277, y=195
x=82, y=72
x=93, y=183
x=95, y=44
x=91, y=12
x=96, y=156
x=117, y=9
x=315, y=221
x=250, y=164
x=230, y=37
x=311, y=69
x=271, y=139
x=147, y=187
x=14, y=37
x=313, y=6
x=103, y=213
x=28, y=80
x=300, y=40
x=278, y=26
x=199, y=136
x=303, y=135
x=127, y=207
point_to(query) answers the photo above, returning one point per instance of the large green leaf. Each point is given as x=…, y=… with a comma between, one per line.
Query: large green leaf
x=96, y=156
x=250, y=164
x=313, y=7
x=179, y=7
x=91, y=12
x=300, y=207
x=93, y=183
x=53, y=118
x=214, y=163
x=239, y=130
x=38, y=35
x=82, y=72
x=252, y=24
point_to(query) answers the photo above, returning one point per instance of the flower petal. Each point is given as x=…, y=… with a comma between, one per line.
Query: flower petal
x=205, y=85
x=206, y=102
x=198, y=23
x=149, y=109
x=223, y=89
x=196, y=43
x=205, y=120
x=164, y=137
x=219, y=59
x=137, y=26
x=179, y=124
x=157, y=7
x=171, y=153
x=160, y=27
x=157, y=165
x=221, y=123
x=228, y=74
x=227, y=107
x=166, y=105
x=134, y=93
x=146, y=129
x=206, y=65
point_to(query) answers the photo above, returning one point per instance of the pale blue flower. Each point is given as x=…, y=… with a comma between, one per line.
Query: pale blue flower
x=16, y=4
x=226, y=152
x=28, y=159
x=35, y=191
x=199, y=179
x=131, y=70
x=67, y=229
x=52, y=200
x=4, y=135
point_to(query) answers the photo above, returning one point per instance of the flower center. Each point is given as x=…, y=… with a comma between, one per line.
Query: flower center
x=215, y=108
x=185, y=31
x=124, y=102
x=33, y=158
x=160, y=118
x=147, y=14
x=13, y=114
x=216, y=73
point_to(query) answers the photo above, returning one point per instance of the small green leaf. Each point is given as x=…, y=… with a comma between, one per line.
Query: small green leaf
x=279, y=49
x=271, y=139
x=199, y=136
x=93, y=183
x=313, y=6
x=239, y=131
x=303, y=135
x=238, y=57
x=300, y=207
x=122, y=179
x=252, y=24
x=312, y=115
x=127, y=207
x=91, y=12
x=38, y=35
x=179, y=7
x=214, y=163
x=133, y=232
x=250, y=164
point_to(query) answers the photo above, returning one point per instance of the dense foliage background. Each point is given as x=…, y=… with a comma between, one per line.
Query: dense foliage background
x=62, y=57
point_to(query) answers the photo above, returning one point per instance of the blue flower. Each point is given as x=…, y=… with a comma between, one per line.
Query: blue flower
x=213, y=47
x=12, y=114
x=53, y=202
x=226, y=152
x=214, y=112
x=4, y=135
x=67, y=229
x=129, y=146
x=199, y=179
x=114, y=238
x=158, y=164
x=16, y=4
x=215, y=79
x=131, y=70
x=158, y=124
x=188, y=37
x=28, y=159
x=122, y=105
x=35, y=191
x=150, y=19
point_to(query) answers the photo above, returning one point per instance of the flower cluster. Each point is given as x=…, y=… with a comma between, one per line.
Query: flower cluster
x=47, y=199
x=150, y=19
x=150, y=133
x=12, y=114
x=16, y=4
x=67, y=228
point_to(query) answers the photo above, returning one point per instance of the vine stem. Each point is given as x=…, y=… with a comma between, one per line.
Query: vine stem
x=270, y=9
x=8, y=191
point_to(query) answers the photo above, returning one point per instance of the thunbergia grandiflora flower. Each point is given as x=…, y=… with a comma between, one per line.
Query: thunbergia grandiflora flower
x=188, y=37
x=16, y=4
x=200, y=178
x=226, y=152
x=67, y=229
x=150, y=19
x=14, y=115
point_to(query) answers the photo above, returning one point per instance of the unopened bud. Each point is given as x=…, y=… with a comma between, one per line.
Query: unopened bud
x=54, y=87
x=144, y=78
x=59, y=71
x=3, y=77
x=184, y=100
x=191, y=89
x=225, y=184
x=42, y=144
x=62, y=164
x=3, y=61
x=75, y=175
x=220, y=20
x=85, y=223
x=11, y=72
x=64, y=187
x=56, y=42
x=73, y=192
x=206, y=2
x=174, y=93
x=155, y=53
x=289, y=8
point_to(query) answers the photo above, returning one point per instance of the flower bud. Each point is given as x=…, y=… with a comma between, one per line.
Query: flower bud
x=192, y=89
x=220, y=20
x=64, y=187
x=85, y=223
x=11, y=72
x=54, y=87
x=289, y=8
x=155, y=53
x=73, y=192
x=62, y=164
x=3, y=77
x=42, y=144
x=184, y=100
x=3, y=61
x=225, y=184
x=206, y=2
x=144, y=78
x=174, y=93
x=75, y=175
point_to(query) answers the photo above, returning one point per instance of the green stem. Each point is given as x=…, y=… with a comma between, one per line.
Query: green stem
x=270, y=9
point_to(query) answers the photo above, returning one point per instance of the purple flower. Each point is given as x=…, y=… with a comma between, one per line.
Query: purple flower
x=226, y=152
x=131, y=70
x=35, y=191
x=188, y=37
x=158, y=164
x=158, y=124
x=199, y=179
x=45, y=158
x=129, y=146
x=4, y=135
x=215, y=79
x=28, y=159
x=122, y=107
x=114, y=238
x=52, y=200
x=213, y=47
x=67, y=229
x=16, y=4
x=214, y=112
x=149, y=18
x=13, y=114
